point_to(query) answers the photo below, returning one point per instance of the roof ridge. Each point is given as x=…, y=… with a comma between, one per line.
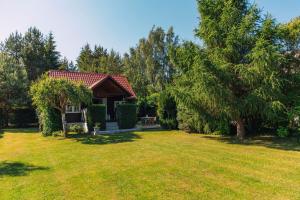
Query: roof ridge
x=90, y=73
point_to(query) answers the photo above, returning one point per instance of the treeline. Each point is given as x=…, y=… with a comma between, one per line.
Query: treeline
x=25, y=57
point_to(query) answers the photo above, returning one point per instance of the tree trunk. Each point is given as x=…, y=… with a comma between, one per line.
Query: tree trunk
x=64, y=124
x=240, y=129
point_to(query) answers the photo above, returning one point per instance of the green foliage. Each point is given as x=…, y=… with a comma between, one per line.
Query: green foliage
x=290, y=39
x=50, y=121
x=98, y=125
x=148, y=66
x=167, y=111
x=37, y=51
x=27, y=57
x=76, y=128
x=99, y=60
x=282, y=132
x=22, y=117
x=13, y=84
x=290, y=33
x=96, y=116
x=57, y=93
x=67, y=66
x=236, y=74
x=147, y=106
x=126, y=115
x=201, y=122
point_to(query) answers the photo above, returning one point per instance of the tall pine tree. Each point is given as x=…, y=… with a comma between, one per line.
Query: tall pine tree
x=236, y=75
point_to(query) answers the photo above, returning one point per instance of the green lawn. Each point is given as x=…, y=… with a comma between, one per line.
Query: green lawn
x=147, y=165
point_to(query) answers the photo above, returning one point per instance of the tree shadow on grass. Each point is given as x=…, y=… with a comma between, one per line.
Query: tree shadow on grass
x=22, y=130
x=105, y=138
x=17, y=168
x=290, y=144
x=1, y=133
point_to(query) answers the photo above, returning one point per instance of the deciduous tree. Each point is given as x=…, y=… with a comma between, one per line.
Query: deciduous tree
x=57, y=93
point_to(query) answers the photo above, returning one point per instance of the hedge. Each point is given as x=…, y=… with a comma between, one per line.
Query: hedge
x=23, y=117
x=51, y=121
x=97, y=114
x=126, y=115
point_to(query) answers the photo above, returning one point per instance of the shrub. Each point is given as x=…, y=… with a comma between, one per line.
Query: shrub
x=76, y=128
x=282, y=132
x=126, y=115
x=97, y=114
x=22, y=117
x=193, y=121
x=50, y=119
x=98, y=125
x=57, y=133
x=147, y=106
x=167, y=111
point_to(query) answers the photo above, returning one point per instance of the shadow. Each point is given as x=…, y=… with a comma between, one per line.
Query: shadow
x=1, y=133
x=105, y=138
x=22, y=130
x=17, y=168
x=290, y=144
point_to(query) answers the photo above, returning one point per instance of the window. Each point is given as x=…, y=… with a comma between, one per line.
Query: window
x=73, y=108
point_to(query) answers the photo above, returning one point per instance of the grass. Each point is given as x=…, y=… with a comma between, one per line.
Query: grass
x=147, y=165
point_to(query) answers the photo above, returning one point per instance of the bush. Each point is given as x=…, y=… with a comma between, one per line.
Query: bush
x=196, y=122
x=282, y=132
x=147, y=106
x=22, y=117
x=97, y=114
x=167, y=111
x=76, y=128
x=50, y=119
x=126, y=115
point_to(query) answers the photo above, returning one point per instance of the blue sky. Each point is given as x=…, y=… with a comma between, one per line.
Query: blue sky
x=117, y=24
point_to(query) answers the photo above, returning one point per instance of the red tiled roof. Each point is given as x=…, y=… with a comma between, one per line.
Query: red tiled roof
x=92, y=79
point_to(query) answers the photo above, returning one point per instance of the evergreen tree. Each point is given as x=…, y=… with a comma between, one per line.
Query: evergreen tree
x=51, y=54
x=99, y=60
x=66, y=65
x=37, y=52
x=33, y=53
x=13, y=84
x=13, y=45
x=72, y=67
x=236, y=75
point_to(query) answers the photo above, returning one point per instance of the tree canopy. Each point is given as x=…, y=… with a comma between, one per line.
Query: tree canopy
x=37, y=52
x=236, y=74
x=99, y=60
x=148, y=65
x=58, y=93
x=13, y=83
